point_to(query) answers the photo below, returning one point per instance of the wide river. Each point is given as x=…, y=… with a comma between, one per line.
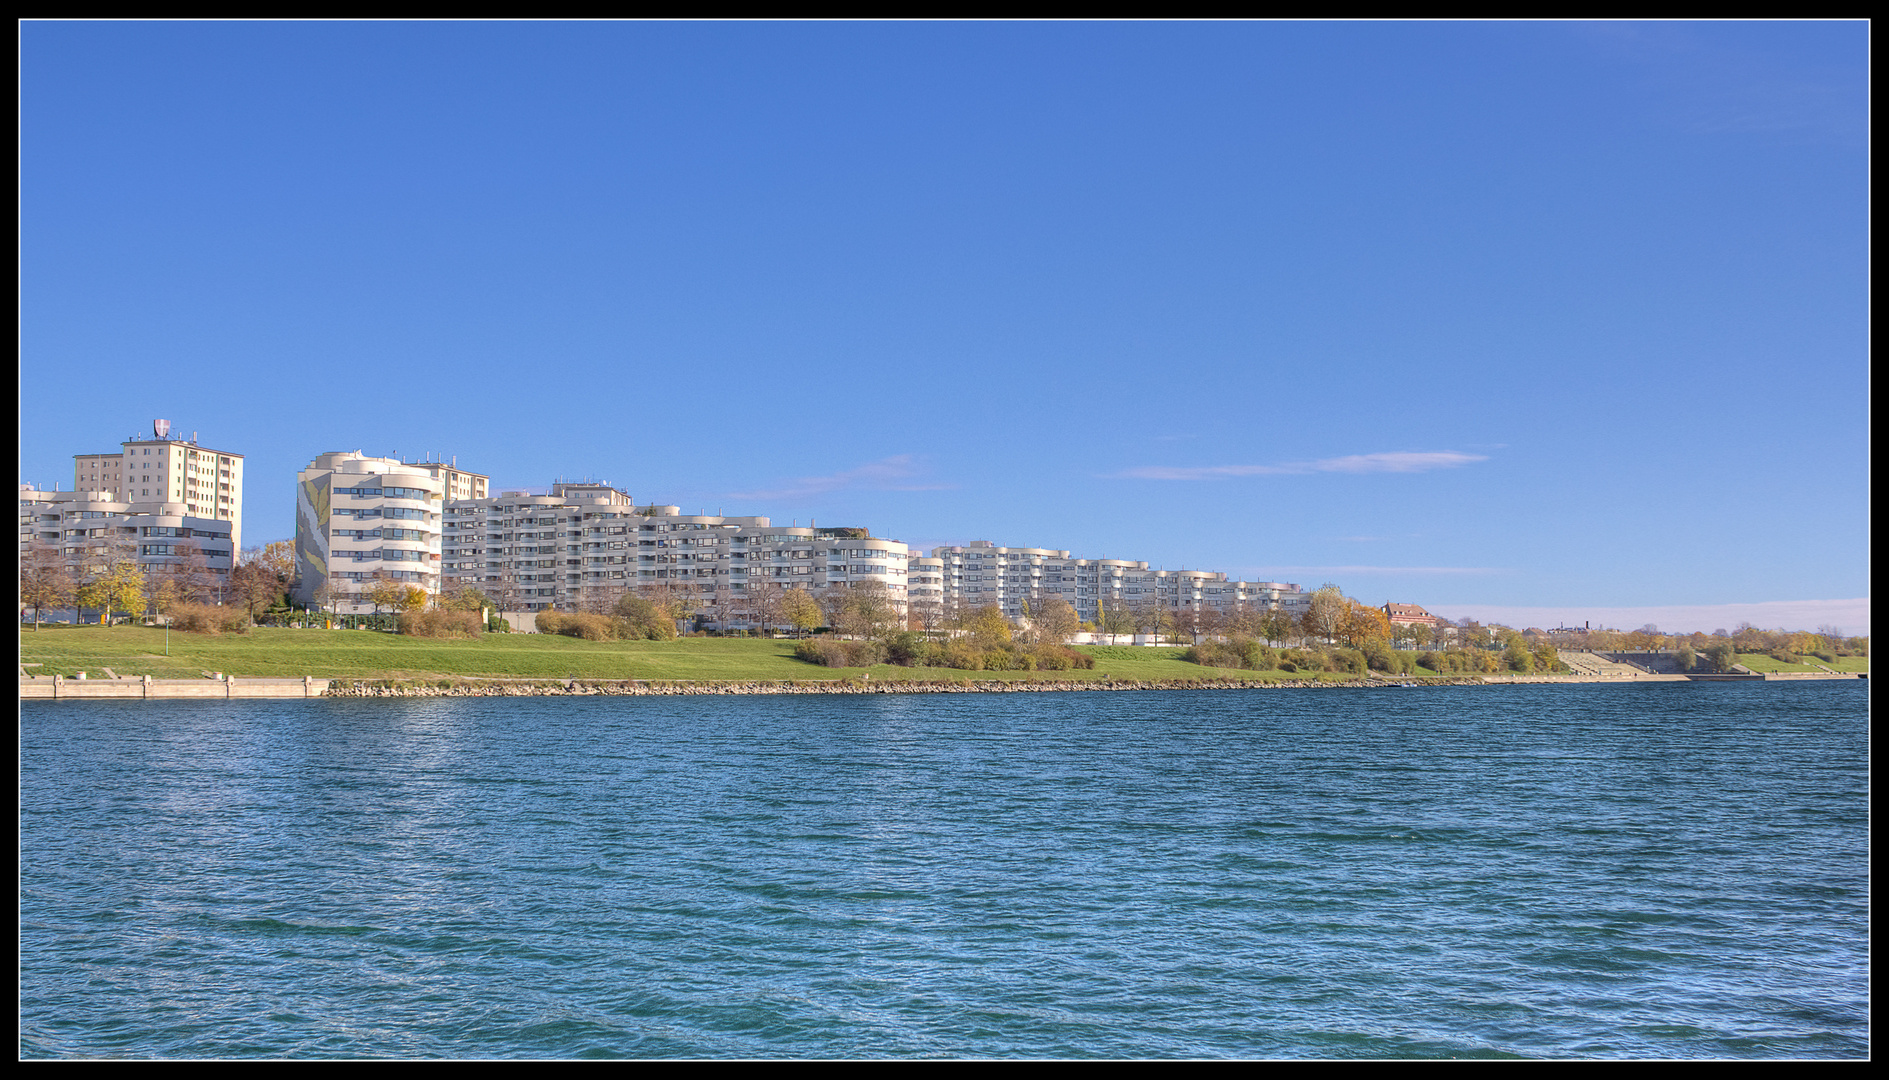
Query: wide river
x=1659, y=871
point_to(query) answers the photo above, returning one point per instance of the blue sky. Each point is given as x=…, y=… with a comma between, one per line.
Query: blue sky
x=1555, y=318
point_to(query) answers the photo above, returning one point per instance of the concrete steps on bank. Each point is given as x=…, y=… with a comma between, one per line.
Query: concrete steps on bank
x=1596, y=664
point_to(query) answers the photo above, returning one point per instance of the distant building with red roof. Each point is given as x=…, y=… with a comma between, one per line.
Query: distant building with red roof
x=1409, y=615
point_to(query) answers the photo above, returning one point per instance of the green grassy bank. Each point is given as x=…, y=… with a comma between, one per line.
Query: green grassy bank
x=1762, y=662
x=267, y=652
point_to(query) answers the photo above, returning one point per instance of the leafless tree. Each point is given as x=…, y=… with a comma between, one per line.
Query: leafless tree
x=1326, y=615
x=1211, y=622
x=926, y=613
x=191, y=574
x=1053, y=621
x=602, y=599
x=679, y=603
x=44, y=580
x=764, y=606
x=868, y=610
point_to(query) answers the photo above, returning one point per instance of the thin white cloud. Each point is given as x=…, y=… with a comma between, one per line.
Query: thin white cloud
x=895, y=473
x=1849, y=616
x=1691, y=81
x=1399, y=461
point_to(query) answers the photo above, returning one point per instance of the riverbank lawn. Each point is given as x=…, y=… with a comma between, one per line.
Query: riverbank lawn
x=1763, y=662
x=267, y=652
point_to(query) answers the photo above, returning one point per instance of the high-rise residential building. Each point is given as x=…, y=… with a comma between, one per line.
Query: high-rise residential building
x=167, y=504
x=170, y=476
x=361, y=519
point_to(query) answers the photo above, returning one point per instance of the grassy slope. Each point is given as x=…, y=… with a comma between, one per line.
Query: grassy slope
x=1763, y=662
x=266, y=652
x=356, y=654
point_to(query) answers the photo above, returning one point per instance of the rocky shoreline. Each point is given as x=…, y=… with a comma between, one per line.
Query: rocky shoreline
x=643, y=687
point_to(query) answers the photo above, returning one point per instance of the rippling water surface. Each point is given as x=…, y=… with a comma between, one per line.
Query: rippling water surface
x=1677, y=870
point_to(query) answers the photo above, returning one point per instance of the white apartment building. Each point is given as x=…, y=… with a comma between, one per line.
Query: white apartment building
x=359, y=519
x=528, y=552
x=981, y=573
x=585, y=544
x=767, y=558
x=93, y=529
x=924, y=588
x=168, y=476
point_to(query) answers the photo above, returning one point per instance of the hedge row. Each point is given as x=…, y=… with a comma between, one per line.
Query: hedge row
x=913, y=650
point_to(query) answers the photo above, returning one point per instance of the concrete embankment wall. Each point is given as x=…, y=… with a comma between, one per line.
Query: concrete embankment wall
x=60, y=688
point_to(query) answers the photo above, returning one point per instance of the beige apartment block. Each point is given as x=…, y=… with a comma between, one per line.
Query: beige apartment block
x=361, y=519
x=584, y=545
x=170, y=476
x=92, y=530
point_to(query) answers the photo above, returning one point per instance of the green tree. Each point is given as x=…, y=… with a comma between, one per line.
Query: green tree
x=1277, y=626
x=119, y=588
x=801, y=610
x=1378, y=654
x=465, y=598
x=382, y=592
x=646, y=618
x=987, y=627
